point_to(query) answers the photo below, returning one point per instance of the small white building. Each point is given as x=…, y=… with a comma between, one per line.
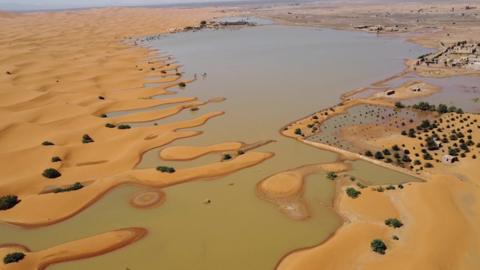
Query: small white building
x=449, y=159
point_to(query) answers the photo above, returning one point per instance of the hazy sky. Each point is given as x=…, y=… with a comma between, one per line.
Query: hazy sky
x=49, y=4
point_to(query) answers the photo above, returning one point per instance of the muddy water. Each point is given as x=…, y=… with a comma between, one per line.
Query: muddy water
x=270, y=75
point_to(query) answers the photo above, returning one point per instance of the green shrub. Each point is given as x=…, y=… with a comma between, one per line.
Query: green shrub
x=47, y=143
x=369, y=153
x=226, y=157
x=109, y=125
x=332, y=175
x=378, y=246
x=165, y=169
x=379, y=155
x=182, y=85
x=298, y=131
x=73, y=187
x=8, y=201
x=51, y=173
x=399, y=105
x=56, y=159
x=13, y=257
x=352, y=193
x=87, y=139
x=393, y=222
x=124, y=126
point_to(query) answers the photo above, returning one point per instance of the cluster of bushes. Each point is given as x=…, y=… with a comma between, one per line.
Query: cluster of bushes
x=378, y=246
x=441, y=108
x=393, y=222
x=166, y=169
x=51, y=173
x=13, y=257
x=73, y=187
x=352, y=193
x=8, y=201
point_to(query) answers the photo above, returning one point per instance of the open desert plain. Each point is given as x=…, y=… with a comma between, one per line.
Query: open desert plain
x=148, y=135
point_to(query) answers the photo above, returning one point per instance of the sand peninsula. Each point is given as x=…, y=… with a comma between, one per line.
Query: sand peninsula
x=404, y=226
x=62, y=73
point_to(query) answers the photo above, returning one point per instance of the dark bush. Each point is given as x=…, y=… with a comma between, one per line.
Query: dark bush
x=332, y=175
x=51, y=173
x=226, y=157
x=124, y=126
x=379, y=155
x=352, y=193
x=182, y=85
x=399, y=105
x=47, y=143
x=73, y=187
x=369, y=153
x=13, y=257
x=8, y=201
x=110, y=125
x=56, y=159
x=378, y=246
x=87, y=139
x=165, y=169
x=103, y=115
x=393, y=222
x=298, y=131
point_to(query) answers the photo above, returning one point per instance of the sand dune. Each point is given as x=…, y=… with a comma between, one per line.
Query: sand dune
x=84, y=248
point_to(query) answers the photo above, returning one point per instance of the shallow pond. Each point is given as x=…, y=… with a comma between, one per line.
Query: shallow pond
x=270, y=75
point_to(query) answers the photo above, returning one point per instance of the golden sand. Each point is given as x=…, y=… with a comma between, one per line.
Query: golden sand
x=84, y=248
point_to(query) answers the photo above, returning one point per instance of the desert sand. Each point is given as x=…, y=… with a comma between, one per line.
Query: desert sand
x=62, y=72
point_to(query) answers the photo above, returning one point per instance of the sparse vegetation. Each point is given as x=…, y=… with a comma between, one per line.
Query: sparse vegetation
x=332, y=175
x=13, y=257
x=51, y=173
x=378, y=246
x=8, y=201
x=166, y=169
x=124, y=126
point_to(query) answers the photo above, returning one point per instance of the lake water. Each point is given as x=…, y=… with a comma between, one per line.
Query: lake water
x=270, y=75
